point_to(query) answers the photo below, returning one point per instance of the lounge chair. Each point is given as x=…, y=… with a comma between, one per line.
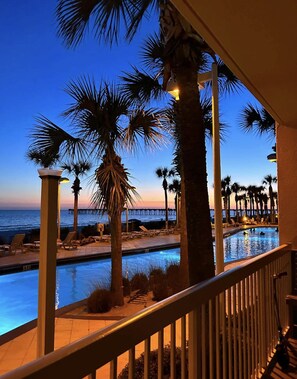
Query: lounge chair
x=234, y=223
x=69, y=242
x=150, y=233
x=16, y=244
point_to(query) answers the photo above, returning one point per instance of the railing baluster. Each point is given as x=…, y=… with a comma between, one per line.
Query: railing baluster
x=147, y=350
x=240, y=331
x=113, y=368
x=160, y=353
x=217, y=336
x=252, y=318
x=204, y=344
x=230, y=366
x=172, y=350
x=244, y=329
x=249, y=326
x=184, y=347
x=235, y=354
x=131, y=371
x=224, y=334
x=210, y=338
x=194, y=347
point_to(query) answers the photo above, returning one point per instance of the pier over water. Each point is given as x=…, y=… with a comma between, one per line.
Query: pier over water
x=131, y=211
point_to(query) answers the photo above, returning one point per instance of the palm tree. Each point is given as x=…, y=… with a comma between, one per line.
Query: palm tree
x=235, y=188
x=42, y=158
x=183, y=56
x=226, y=192
x=269, y=180
x=175, y=187
x=78, y=169
x=165, y=173
x=97, y=115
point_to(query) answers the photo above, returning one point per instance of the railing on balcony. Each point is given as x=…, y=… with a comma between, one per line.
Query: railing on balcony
x=222, y=328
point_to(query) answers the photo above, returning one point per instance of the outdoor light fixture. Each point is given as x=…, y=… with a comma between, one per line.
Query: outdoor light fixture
x=272, y=157
x=172, y=88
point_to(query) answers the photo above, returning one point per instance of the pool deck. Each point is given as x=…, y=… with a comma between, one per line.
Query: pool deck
x=20, y=350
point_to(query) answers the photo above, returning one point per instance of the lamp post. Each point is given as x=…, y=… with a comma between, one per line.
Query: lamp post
x=62, y=180
x=173, y=90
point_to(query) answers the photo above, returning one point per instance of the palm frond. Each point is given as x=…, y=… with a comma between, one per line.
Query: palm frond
x=152, y=53
x=141, y=87
x=259, y=121
x=51, y=139
x=138, y=10
x=228, y=82
x=148, y=125
x=107, y=18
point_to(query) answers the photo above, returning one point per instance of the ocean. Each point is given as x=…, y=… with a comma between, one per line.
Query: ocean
x=26, y=220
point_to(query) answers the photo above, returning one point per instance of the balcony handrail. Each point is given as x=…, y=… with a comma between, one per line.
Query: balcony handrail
x=103, y=346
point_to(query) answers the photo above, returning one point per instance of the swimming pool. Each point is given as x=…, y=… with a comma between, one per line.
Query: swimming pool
x=19, y=291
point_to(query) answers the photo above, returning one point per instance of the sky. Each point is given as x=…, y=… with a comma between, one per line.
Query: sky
x=35, y=68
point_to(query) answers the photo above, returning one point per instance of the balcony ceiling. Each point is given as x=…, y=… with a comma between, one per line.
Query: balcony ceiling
x=257, y=40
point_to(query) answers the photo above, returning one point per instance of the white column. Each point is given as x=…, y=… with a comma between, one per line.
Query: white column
x=47, y=261
x=219, y=249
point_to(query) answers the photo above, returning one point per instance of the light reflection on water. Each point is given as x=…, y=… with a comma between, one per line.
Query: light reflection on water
x=250, y=242
x=19, y=291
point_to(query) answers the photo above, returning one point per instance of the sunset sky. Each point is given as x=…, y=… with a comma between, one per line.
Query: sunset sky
x=36, y=67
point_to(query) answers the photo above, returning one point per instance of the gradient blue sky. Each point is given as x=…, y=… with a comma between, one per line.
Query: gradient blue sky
x=35, y=68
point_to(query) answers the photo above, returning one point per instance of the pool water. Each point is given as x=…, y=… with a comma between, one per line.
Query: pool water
x=19, y=291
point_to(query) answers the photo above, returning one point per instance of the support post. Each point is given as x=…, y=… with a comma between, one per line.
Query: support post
x=219, y=247
x=47, y=261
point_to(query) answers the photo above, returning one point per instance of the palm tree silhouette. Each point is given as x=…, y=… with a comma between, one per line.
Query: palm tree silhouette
x=78, y=169
x=165, y=173
x=97, y=114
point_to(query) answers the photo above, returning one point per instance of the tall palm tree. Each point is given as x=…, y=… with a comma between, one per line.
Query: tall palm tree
x=183, y=57
x=104, y=122
x=269, y=180
x=175, y=187
x=235, y=188
x=165, y=173
x=226, y=192
x=78, y=169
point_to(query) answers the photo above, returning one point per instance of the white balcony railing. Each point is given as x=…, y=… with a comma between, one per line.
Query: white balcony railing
x=222, y=328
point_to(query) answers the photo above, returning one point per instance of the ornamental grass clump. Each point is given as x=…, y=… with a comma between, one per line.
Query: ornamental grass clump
x=99, y=301
x=140, y=282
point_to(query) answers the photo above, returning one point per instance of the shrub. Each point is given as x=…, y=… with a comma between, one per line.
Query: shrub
x=99, y=301
x=173, y=278
x=126, y=287
x=140, y=282
x=153, y=369
x=159, y=285
x=156, y=275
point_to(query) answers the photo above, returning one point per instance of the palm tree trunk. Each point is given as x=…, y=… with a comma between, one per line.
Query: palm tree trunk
x=184, y=268
x=116, y=257
x=75, y=212
x=193, y=157
x=166, y=209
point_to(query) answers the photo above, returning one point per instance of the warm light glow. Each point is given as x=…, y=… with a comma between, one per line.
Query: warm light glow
x=64, y=180
x=272, y=157
x=172, y=88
